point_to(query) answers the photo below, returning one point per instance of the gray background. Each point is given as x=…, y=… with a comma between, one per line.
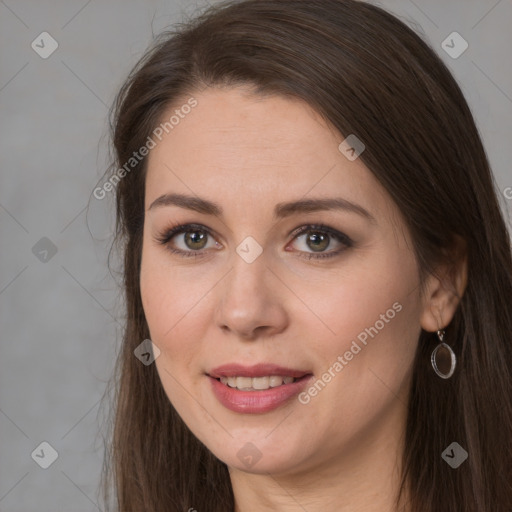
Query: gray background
x=61, y=313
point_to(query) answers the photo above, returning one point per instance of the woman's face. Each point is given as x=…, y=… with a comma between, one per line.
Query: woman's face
x=258, y=292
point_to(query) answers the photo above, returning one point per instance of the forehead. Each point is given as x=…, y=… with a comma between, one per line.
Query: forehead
x=240, y=149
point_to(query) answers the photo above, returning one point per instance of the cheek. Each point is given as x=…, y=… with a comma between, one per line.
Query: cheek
x=173, y=299
x=353, y=298
x=168, y=292
x=365, y=367
x=166, y=304
x=372, y=321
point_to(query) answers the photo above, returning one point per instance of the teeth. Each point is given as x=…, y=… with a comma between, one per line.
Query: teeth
x=260, y=382
x=244, y=383
x=275, y=381
x=256, y=383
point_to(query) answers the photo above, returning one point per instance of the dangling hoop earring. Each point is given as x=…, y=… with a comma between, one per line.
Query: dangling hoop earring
x=453, y=359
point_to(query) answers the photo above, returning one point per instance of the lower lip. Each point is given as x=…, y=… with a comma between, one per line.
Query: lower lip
x=254, y=402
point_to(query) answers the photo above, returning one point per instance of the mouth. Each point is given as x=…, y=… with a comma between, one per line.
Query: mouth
x=257, y=377
x=256, y=389
x=258, y=383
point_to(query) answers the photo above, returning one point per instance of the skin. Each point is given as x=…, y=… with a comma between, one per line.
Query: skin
x=341, y=451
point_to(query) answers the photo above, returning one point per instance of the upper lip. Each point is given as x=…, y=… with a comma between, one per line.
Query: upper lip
x=258, y=370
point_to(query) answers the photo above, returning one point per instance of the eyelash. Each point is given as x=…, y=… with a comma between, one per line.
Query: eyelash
x=166, y=236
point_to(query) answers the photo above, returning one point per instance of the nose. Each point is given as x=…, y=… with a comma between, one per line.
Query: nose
x=252, y=300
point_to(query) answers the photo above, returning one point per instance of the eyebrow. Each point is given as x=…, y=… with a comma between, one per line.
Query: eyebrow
x=281, y=210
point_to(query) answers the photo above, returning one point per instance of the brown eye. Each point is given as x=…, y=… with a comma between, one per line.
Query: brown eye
x=187, y=240
x=317, y=241
x=314, y=240
x=195, y=239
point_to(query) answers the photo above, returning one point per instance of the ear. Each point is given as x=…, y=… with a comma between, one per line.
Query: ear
x=444, y=288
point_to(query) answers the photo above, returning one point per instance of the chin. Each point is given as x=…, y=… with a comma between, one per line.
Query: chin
x=259, y=456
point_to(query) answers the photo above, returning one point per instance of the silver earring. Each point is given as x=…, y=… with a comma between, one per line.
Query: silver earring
x=447, y=355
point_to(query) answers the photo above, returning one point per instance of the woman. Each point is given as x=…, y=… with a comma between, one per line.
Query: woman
x=318, y=277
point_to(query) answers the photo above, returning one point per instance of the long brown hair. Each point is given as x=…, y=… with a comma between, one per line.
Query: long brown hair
x=368, y=74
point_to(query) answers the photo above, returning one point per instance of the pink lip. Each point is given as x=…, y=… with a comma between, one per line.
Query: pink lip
x=258, y=370
x=256, y=402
